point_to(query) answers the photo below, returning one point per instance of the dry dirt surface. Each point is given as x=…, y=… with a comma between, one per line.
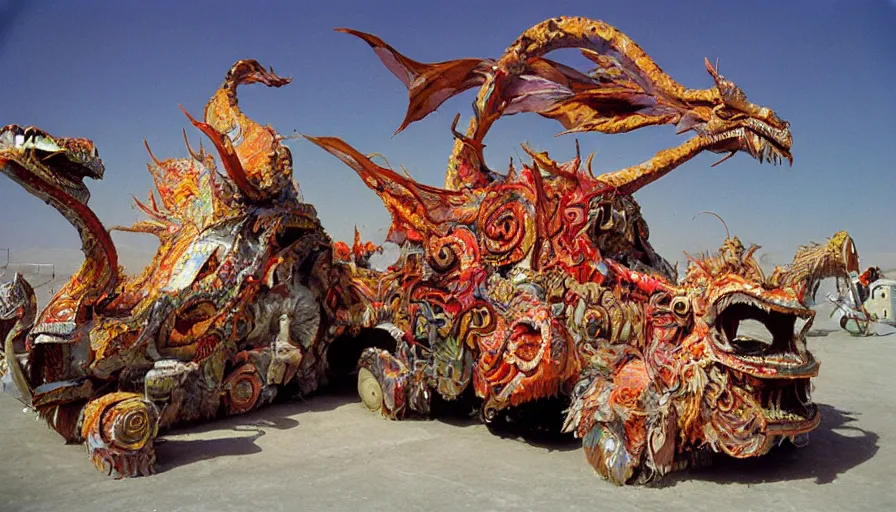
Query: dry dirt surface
x=330, y=453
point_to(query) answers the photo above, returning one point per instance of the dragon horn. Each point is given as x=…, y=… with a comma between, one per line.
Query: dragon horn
x=197, y=157
x=154, y=159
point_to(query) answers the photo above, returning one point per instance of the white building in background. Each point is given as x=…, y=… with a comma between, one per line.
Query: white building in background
x=881, y=301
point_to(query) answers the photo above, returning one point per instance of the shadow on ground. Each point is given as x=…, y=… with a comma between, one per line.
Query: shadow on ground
x=538, y=424
x=835, y=447
x=172, y=452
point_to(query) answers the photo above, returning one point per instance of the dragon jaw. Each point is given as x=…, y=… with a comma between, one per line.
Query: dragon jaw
x=768, y=373
x=731, y=123
x=754, y=340
x=53, y=169
x=44, y=163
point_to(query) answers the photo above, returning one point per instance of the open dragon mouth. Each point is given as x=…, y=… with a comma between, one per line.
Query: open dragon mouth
x=762, y=343
x=60, y=162
x=762, y=338
x=761, y=140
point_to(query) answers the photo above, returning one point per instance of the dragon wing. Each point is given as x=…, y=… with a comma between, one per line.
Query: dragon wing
x=416, y=209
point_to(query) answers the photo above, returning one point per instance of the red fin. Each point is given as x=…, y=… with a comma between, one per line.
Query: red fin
x=414, y=207
x=429, y=84
x=229, y=157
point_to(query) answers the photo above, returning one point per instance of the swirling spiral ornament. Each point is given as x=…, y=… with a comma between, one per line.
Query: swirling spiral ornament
x=458, y=250
x=242, y=389
x=444, y=254
x=119, y=429
x=133, y=424
x=506, y=228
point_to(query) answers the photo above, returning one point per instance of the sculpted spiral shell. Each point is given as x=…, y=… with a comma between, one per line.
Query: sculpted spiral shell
x=506, y=231
x=133, y=424
x=243, y=389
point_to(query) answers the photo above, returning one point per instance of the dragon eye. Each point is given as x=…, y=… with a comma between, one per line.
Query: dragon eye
x=680, y=306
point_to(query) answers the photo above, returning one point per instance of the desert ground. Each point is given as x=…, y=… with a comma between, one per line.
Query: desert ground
x=329, y=453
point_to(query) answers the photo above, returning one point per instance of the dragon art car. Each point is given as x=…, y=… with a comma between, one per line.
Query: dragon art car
x=540, y=283
x=233, y=307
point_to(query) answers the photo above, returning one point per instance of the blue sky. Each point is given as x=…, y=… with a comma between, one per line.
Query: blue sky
x=116, y=71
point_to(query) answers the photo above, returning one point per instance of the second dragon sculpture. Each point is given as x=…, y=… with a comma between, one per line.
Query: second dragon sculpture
x=541, y=284
x=234, y=306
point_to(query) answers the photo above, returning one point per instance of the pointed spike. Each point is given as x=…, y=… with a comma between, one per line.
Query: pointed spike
x=154, y=159
x=371, y=155
x=712, y=71
x=190, y=149
x=454, y=131
x=729, y=155
x=578, y=160
x=511, y=172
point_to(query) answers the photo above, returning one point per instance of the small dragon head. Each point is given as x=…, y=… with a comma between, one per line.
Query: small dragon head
x=17, y=303
x=732, y=123
x=18, y=309
x=47, y=164
x=749, y=338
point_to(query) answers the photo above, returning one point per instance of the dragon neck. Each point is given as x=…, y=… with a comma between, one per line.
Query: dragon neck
x=466, y=167
x=627, y=181
x=604, y=39
x=252, y=154
x=99, y=272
